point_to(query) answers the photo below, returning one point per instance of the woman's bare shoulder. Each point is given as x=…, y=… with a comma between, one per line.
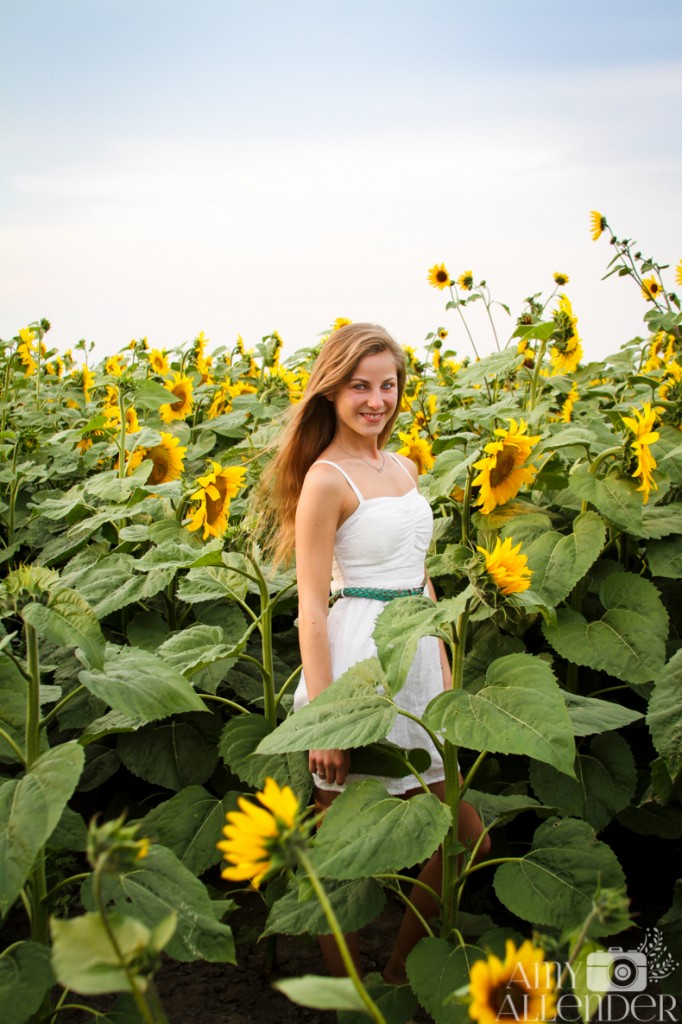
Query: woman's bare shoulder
x=324, y=481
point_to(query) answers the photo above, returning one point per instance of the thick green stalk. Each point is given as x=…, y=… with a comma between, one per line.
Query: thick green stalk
x=332, y=920
x=37, y=883
x=149, y=1016
x=122, y=436
x=535, y=392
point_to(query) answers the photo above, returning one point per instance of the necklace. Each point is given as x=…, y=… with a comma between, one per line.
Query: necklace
x=378, y=469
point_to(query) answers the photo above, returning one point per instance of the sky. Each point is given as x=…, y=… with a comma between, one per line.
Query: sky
x=237, y=168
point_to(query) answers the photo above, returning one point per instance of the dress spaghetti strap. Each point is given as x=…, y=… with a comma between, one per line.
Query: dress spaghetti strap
x=403, y=467
x=355, y=489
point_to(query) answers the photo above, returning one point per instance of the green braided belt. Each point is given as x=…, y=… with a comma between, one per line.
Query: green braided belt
x=374, y=594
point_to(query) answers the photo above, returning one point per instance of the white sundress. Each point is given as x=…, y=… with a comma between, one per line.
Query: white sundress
x=383, y=544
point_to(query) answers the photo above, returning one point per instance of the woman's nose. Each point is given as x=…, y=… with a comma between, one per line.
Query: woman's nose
x=374, y=399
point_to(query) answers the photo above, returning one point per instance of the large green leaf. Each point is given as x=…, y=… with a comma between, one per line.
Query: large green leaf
x=555, y=883
x=559, y=562
x=175, y=754
x=161, y=885
x=12, y=707
x=30, y=809
x=520, y=710
x=397, y=1003
x=238, y=742
x=25, y=977
x=627, y=642
x=114, y=582
x=355, y=904
x=321, y=993
x=661, y=520
x=349, y=713
x=665, y=714
x=590, y=715
x=194, y=647
x=367, y=832
x=68, y=621
x=85, y=960
x=616, y=498
x=604, y=784
x=665, y=558
x=489, y=367
x=436, y=969
x=211, y=583
x=141, y=684
x=189, y=824
x=400, y=627
x=668, y=453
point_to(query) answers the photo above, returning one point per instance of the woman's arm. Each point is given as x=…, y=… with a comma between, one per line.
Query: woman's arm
x=320, y=509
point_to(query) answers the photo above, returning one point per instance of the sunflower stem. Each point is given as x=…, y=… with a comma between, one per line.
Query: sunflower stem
x=122, y=435
x=536, y=391
x=332, y=920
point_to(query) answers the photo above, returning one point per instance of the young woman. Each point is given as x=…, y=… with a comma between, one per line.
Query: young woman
x=360, y=529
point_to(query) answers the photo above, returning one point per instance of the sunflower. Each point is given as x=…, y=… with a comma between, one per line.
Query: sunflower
x=503, y=471
x=442, y=333
x=158, y=360
x=255, y=842
x=213, y=499
x=418, y=449
x=438, y=276
x=566, y=349
x=566, y=413
x=114, y=366
x=341, y=321
x=561, y=279
x=641, y=424
x=671, y=387
x=651, y=287
x=506, y=567
x=181, y=388
x=678, y=274
x=168, y=458
x=466, y=280
x=597, y=224
x=520, y=988
x=661, y=351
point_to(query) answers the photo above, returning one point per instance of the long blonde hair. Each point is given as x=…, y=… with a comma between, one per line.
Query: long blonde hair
x=311, y=428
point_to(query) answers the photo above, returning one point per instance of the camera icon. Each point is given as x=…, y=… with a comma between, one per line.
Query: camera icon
x=617, y=970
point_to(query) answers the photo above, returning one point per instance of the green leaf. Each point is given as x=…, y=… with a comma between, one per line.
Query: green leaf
x=501, y=807
x=555, y=883
x=397, y=1003
x=401, y=625
x=84, y=958
x=665, y=715
x=665, y=558
x=668, y=453
x=616, y=498
x=366, y=832
x=161, y=885
x=112, y=583
x=12, y=708
x=238, y=742
x=25, y=977
x=520, y=710
x=151, y=395
x=661, y=520
x=190, y=825
x=591, y=714
x=174, y=755
x=30, y=809
x=604, y=784
x=355, y=904
x=140, y=684
x=628, y=641
x=211, y=583
x=68, y=621
x=559, y=562
x=321, y=993
x=194, y=647
x=349, y=713
x=436, y=969
x=499, y=363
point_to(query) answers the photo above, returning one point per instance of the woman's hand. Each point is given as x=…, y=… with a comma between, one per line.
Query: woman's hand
x=329, y=765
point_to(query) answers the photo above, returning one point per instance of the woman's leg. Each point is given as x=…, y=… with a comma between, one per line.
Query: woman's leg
x=330, y=951
x=411, y=929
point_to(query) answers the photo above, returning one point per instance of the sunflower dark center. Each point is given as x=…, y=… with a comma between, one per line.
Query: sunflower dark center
x=509, y=1001
x=504, y=463
x=441, y=276
x=160, y=470
x=214, y=506
x=180, y=401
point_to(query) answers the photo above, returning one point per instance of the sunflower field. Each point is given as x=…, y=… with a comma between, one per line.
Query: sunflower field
x=148, y=656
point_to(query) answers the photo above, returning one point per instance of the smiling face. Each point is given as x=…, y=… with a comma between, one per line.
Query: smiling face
x=367, y=400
